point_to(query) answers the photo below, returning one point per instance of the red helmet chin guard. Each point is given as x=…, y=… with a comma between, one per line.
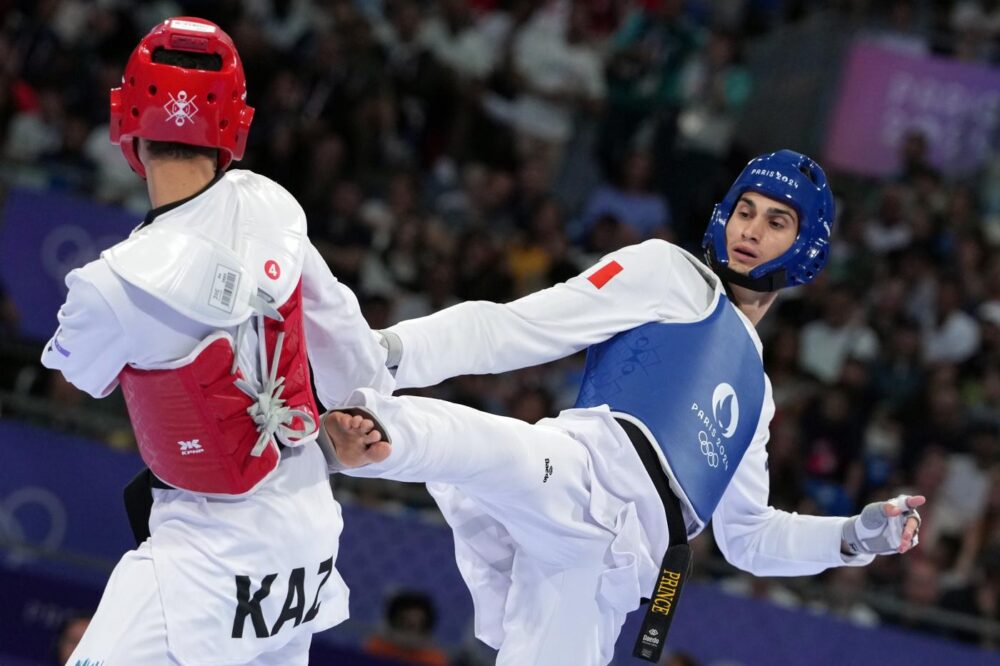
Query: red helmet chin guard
x=163, y=102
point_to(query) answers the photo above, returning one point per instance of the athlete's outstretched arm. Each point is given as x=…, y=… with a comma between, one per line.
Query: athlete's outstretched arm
x=764, y=541
x=627, y=288
x=767, y=542
x=760, y=539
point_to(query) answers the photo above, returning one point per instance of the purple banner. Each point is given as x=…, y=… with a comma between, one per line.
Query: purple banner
x=718, y=628
x=34, y=608
x=63, y=493
x=884, y=94
x=59, y=492
x=44, y=236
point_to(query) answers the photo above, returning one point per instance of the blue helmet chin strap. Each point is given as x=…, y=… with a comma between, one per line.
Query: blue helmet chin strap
x=771, y=282
x=793, y=179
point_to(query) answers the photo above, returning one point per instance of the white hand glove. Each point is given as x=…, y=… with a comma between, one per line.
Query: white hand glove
x=881, y=528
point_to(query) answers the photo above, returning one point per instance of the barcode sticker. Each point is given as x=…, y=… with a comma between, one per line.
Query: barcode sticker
x=224, y=288
x=191, y=25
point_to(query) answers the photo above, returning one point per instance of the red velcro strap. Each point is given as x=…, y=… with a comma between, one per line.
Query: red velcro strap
x=602, y=275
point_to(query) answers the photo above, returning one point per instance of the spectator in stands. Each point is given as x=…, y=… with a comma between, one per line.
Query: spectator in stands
x=466, y=58
x=920, y=592
x=831, y=441
x=541, y=256
x=530, y=404
x=37, y=130
x=437, y=284
x=607, y=235
x=679, y=659
x=989, y=318
x=70, y=167
x=889, y=230
x=901, y=29
x=791, y=387
x=644, y=213
x=481, y=271
x=964, y=491
x=414, y=74
x=326, y=167
x=980, y=597
x=647, y=54
x=341, y=235
x=714, y=86
x=408, y=636
x=847, y=586
x=918, y=270
x=950, y=335
x=914, y=157
x=887, y=300
x=785, y=465
x=8, y=315
x=69, y=635
x=929, y=475
x=983, y=396
x=976, y=26
x=453, y=39
x=897, y=374
x=841, y=334
x=770, y=590
x=558, y=73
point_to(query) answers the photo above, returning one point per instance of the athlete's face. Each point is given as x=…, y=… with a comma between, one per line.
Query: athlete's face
x=759, y=230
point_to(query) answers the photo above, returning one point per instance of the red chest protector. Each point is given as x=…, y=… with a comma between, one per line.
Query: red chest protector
x=202, y=427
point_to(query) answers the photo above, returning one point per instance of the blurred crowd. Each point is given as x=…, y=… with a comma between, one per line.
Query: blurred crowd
x=447, y=150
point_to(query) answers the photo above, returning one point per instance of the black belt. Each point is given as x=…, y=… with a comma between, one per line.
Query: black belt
x=676, y=565
x=157, y=482
x=139, y=503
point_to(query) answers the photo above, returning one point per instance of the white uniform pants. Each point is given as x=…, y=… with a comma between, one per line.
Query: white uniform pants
x=128, y=627
x=535, y=481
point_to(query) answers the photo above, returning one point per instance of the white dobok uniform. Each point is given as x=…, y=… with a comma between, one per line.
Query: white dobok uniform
x=173, y=600
x=558, y=528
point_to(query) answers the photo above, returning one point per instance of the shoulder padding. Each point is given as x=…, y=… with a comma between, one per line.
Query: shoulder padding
x=196, y=276
x=272, y=233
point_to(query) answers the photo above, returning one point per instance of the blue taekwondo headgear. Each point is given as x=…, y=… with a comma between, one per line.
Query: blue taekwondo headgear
x=799, y=181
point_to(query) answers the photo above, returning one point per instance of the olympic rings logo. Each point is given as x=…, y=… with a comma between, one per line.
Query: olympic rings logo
x=708, y=449
x=13, y=509
x=70, y=246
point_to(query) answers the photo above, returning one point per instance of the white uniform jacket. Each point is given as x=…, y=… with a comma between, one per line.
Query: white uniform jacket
x=201, y=546
x=654, y=281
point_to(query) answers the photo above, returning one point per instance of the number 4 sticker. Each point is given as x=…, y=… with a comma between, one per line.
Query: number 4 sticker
x=272, y=269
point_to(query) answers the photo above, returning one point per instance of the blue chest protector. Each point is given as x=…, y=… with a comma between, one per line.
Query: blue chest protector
x=698, y=388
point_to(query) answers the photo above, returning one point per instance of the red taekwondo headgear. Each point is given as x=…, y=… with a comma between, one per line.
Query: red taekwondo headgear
x=163, y=102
